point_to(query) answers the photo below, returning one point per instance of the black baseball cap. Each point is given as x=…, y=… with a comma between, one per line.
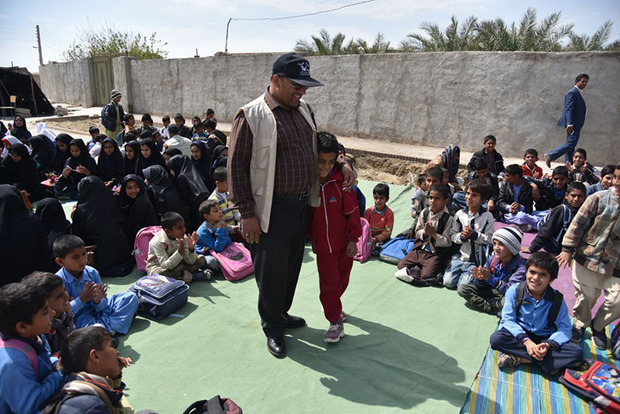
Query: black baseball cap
x=296, y=68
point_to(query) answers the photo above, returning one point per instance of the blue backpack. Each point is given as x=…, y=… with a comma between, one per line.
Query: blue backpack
x=394, y=250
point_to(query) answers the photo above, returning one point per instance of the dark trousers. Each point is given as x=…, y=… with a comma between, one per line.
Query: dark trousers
x=429, y=263
x=567, y=148
x=554, y=360
x=484, y=298
x=277, y=259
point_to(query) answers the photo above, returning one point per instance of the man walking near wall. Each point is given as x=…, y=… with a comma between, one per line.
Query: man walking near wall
x=273, y=176
x=572, y=119
x=112, y=115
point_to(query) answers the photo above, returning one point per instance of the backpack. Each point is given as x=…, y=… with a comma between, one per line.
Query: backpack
x=54, y=403
x=141, y=245
x=558, y=298
x=394, y=250
x=597, y=383
x=235, y=261
x=159, y=295
x=443, y=252
x=24, y=348
x=556, y=242
x=215, y=405
x=615, y=342
x=364, y=243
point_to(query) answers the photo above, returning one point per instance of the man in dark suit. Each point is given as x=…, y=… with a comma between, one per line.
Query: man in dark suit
x=572, y=119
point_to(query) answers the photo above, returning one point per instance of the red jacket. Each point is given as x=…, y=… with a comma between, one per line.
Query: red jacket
x=337, y=220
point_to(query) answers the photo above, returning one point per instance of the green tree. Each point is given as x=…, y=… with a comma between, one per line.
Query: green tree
x=380, y=45
x=109, y=41
x=436, y=40
x=596, y=42
x=324, y=44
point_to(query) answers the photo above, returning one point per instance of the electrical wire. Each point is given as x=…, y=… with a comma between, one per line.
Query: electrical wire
x=306, y=14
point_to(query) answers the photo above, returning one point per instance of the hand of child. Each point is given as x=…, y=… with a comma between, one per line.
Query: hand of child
x=490, y=205
x=541, y=349
x=191, y=241
x=89, y=291
x=429, y=229
x=124, y=361
x=532, y=349
x=467, y=232
x=221, y=225
x=570, y=166
x=351, y=249
x=584, y=167
x=82, y=170
x=564, y=259
x=102, y=291
x=514, y=207
x=66, y=172
x=481, y=273
x=410, y=234
x=374, y=240
x=181, y=244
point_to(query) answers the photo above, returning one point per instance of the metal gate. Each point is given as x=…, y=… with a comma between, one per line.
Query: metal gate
x=104, y=79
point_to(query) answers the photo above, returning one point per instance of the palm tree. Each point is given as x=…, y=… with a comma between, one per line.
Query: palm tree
x=596, y=42
x=379, y=46
x=322, y=45
x=436, y=40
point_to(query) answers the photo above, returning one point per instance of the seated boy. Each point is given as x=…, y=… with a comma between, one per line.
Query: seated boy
x=592, y=249
x=472, y=229
x=549, y=193
x=27, y=376
x=552, y=229
x=607, y=176
x=505, y=268
x=94, y=370
x=90, y=303
x=535, y=327
x=93, y=131
x=231, y=215
x=434, y=176
x=580, y=169
x=212, y=234
x=530, y=169
x=171, y=251
x=58, y=300
x=493, y=158
x=380, y=217
x=481, y=171
x=432, y=247
x=515, y=196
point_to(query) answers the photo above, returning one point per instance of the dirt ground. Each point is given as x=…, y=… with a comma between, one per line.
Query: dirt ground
x=389, y=170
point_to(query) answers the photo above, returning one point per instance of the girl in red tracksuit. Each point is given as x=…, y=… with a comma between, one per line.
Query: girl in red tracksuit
x=333, y=228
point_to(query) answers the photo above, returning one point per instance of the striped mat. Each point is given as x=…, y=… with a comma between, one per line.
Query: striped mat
x=525, y=389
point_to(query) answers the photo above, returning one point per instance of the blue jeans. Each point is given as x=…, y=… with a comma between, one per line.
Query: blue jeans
x=457, y=272
x=567, y=148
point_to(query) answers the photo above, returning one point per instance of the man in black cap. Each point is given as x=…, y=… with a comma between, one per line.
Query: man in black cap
x=273, y=176
x=112, y=115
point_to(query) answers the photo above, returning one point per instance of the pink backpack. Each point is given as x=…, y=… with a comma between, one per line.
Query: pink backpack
x=364, y=243
x=141, y=245
x=235, y=261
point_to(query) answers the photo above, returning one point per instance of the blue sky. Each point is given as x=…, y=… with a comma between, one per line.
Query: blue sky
x=187, y=25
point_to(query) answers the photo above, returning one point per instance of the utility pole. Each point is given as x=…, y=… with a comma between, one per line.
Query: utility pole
x=39, y=46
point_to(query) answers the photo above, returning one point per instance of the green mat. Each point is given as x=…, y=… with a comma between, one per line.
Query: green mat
x=406, y=349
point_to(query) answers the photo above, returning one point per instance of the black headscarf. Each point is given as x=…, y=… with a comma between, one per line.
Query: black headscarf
x=21, y=132
x=203, y=164
x=23, y=174
x=451, y=158
x=42, y=152
x=132, y=165
x=111, y=167
x=163, y=194
x=84, y=159
x=155, y=159
x=98, y=220
x=61, y=157
x=192, y=189
x=139, y=212
x=23, y=247
x=55, y=224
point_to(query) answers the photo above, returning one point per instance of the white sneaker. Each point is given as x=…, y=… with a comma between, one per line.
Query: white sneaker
x=334, y=332
x=403, y=274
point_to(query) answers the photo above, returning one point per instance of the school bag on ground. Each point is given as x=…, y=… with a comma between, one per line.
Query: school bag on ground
x=141, y=245
x=364, y=243
x=597, y=383
x=235, y=261
x=215, y=405
x=159, y=295
x=394, y=250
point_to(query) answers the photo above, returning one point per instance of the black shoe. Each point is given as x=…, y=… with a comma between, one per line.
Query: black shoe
x=548, y=160
x=599, y=337
x=276, y=346
x=577, y=334
x=295, y=322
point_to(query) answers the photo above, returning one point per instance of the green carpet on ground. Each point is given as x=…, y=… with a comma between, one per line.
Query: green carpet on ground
x=406, y=349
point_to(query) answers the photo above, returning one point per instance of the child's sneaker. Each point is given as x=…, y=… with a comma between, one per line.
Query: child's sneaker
x=334, y=332
x=599, y=337
x=507, y=360
x=203, y=275
x=577, y=334
x=403, y=274
x=343, y=316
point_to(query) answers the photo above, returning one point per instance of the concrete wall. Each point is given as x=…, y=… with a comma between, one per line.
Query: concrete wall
x=70, y=82
x=424, y=98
